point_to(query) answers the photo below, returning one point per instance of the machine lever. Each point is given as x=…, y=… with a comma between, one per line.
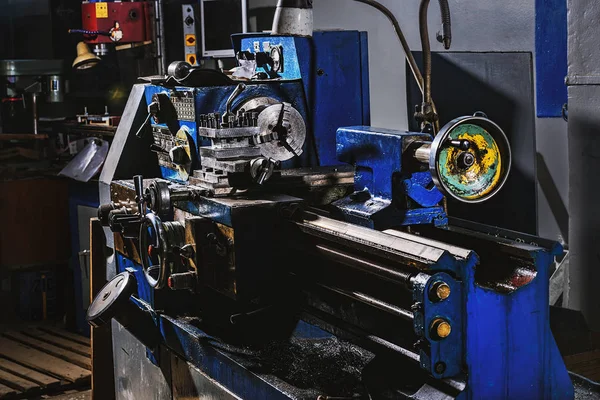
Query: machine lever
x=138, y=183
x=238, y=90
x=460, y=144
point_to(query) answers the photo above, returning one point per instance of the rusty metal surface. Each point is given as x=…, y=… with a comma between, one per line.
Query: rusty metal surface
x=490, y=153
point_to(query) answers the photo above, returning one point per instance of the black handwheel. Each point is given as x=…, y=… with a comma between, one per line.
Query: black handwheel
x=150, y=242
x=111, y=298
x=157, y=240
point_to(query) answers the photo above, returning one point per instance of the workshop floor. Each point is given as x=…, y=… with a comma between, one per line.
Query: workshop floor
x=41, y=361
x=85, y=395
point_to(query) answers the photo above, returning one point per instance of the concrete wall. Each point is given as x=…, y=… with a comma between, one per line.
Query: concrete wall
x=584, y=150
x=478, y=25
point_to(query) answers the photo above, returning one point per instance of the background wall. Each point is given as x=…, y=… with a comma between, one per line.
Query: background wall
x=478, y=25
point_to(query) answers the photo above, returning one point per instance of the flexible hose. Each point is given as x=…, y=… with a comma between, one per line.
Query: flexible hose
x=446, y=24
x=426, y=49
x=426, y=46
x=409, y=57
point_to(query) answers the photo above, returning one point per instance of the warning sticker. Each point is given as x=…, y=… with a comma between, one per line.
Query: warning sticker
x=191, y=59
x=101, y=10
x=190, y=40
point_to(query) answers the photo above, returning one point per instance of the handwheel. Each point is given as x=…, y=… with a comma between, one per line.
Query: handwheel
x=157, y=240
x=110, y=299
x=470, y=159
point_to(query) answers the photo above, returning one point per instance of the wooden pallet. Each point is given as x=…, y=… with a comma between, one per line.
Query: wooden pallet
x=586, y=364
x=43, y=360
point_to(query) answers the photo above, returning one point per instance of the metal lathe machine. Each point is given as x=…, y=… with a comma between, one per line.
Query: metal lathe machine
x=272, y=244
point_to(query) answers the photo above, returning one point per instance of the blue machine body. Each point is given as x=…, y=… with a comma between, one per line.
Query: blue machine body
x=213, y=98
x=500, y=344
x=324, y=77
x=334, y=70
x=502, y=337
x=387, y=193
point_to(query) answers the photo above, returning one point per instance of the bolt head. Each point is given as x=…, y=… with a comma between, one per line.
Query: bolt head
x=440, y=329
x=440, y=291
x=440, y=367
x=466, y=159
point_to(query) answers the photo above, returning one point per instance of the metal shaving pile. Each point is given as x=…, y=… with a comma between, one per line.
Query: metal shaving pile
x=312, y=367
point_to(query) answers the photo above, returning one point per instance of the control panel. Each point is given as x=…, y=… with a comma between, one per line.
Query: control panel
x=183, y=101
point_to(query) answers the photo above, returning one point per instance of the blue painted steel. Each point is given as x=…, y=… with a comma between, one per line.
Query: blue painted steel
x=305, y=330
x=144, y=291
x=213, y=99
x=335, y=75
x=170, y=174
x=341, y=87
x=210, y=356
x=386, y=194
x=381, y=214
x=416, y=187
x=208, y=207
x=550, y=56
x=325, y=78
x=291, y=68
x=449, y=350
x=376, y=154
x=364, y=77
x=228, y=211
x=501, y=339
x=510, y=350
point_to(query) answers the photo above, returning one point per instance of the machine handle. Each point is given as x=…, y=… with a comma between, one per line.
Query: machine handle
x=237, y=91
x=111, y=300
x=138, y=183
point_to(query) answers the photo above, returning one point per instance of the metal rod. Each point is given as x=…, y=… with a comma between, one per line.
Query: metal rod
x=382, y=305
x=138, y=183
x=160, y=38
x=394, y=347
x=423, y=152
x=353, y=261
x=35, y=112
x=357, y=335
x=181, y=196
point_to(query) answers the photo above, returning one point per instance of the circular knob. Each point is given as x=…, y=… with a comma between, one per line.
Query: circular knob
x=470, y=159
x=110, y=299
